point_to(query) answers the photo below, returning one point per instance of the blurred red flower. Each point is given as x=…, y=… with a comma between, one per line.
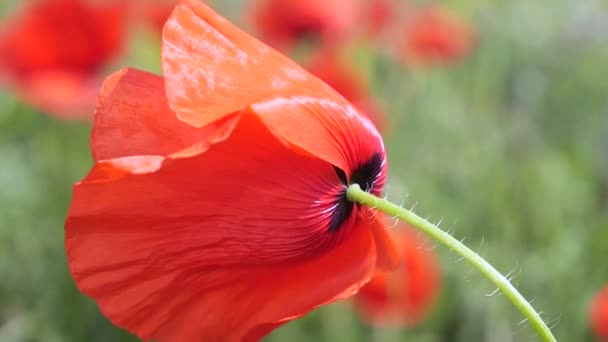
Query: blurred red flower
x=402, y=297
x=51, y=52
x=378, y=15
x=329, y=67
x=599, y=315
x=433, y=35
x=153, y=13
x=283, y=23
x=216, y=209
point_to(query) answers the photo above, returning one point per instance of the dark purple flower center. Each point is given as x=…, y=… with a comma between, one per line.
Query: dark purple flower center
x=366, y=175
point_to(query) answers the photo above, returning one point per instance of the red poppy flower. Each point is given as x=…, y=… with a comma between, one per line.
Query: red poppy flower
x=378, y=15
x=51, y=52
x=434, y=35
x=281, y=23
x=599, y=315
x=216, y=207
x=403, y=297
x=328, y=66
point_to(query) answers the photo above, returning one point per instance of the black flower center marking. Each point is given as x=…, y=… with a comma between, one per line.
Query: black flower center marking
x=366, y=175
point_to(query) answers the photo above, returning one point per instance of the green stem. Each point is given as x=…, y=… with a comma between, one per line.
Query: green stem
x=355, y=194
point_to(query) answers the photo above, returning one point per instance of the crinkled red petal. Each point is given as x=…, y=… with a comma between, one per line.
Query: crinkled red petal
x=220, y=245
x=331, y=130
x=134, y=118
x=212, y=68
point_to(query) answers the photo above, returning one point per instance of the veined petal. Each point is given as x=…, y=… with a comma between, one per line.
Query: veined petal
x=212, y=68
x=332, y=130
x=134, y=118
x=225, y=243
x=255, y=301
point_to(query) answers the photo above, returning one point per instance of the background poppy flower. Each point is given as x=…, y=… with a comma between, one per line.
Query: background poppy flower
x=599, y=315
x=230, y=220
x=402, y=297
x=378, y=15
x=328, y=66
x=48, y=56
x=433, y=36
x=283, y=23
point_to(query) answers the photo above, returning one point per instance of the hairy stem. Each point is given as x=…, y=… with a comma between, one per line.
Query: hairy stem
x=356, y=194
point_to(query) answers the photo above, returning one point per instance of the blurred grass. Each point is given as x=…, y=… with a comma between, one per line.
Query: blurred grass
x=509, y=149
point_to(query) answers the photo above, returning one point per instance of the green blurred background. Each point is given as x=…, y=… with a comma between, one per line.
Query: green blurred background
x=509, y=148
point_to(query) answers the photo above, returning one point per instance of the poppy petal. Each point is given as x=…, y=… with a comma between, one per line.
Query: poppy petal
x=212, y=68
x=277, y=294
x=333, y=131
x=175, y=249
x=387, y=256
x=133, y=108
x=405, y=296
